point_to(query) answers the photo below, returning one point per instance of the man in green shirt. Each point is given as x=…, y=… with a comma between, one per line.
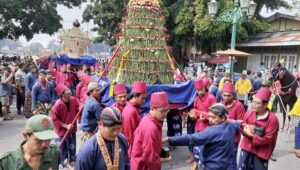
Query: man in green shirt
x=35, y=152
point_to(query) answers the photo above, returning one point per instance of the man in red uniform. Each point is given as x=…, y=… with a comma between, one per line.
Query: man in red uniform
x=120, y=96
x=260, y=133
x=202, y=103
x=63, y=113
x=131, y=113
x=60, y=75
x=147, y=144
x=70, y=78
x=84, y=90
x=236, y=111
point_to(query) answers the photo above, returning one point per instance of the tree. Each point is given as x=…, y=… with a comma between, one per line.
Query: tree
x=187, y=21
x=36, y=48
x=144, y=54
x=28, y=17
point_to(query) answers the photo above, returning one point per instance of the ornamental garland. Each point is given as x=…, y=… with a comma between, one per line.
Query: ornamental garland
x=142, y=31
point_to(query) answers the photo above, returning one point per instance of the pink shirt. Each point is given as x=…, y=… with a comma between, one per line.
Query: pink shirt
x=236, y=112
x=261, y=146
x=131, y=118
x=62, y=115
x=203, y=105
x=147, y=145
x=120, y=107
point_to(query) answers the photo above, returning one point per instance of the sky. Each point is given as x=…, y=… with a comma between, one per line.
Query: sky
x=69, y=16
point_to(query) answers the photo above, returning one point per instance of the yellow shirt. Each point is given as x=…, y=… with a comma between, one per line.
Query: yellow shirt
x=243, y=86
x=222, y=83
x=296, y=109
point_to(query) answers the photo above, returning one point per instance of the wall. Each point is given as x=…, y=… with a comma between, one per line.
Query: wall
x=283, y=24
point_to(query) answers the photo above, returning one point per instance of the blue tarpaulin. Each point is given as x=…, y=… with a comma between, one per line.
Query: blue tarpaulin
x=65, y=59
x=177, y=93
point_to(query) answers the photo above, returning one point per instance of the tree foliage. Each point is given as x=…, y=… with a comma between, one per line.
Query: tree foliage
x=186, y=20
x=27, y=17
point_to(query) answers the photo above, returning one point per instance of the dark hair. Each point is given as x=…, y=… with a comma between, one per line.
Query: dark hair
x=248, y=72
x=32, y=67
x=132, y=95
x=219, y=109
x=259, y=74
x=21, y=65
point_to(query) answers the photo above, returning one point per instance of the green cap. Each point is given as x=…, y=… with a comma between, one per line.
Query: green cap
x=41, y=126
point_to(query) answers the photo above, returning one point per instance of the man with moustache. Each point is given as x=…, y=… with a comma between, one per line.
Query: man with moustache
x=236, y=111
x=35, y=152
x=260, y=133
x=147, y=143
x=120, y=96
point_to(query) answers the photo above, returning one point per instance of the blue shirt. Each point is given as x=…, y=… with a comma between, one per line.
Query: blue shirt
x=90, y=114
x=39, y=94
x=256, y=84
x=297, y=136
x=30, y=79
x=214, y=90
x=91, y=158
x=217, y=141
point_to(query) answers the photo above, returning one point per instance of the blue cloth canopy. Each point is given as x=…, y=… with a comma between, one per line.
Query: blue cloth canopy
x=62, y=59
x=177, y=93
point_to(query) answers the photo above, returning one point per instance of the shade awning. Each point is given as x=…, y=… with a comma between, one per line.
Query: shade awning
x=232, y=52
x=220, y=60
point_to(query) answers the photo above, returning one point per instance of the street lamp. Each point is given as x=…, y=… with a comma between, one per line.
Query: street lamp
x=247, y=8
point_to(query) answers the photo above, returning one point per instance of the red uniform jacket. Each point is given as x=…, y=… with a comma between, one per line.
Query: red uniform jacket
x=203, y=105
x=61, y=114
x=60, y=78
x=70, y=77
x=147, y=145
x=83, y=95
x=120, y=107
x=236, y=112
x=78, y=89
x=52, y=71
x=131, y=118
x=261, y=146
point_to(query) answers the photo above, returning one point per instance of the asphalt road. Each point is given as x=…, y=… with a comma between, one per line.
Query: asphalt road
x=11, y=137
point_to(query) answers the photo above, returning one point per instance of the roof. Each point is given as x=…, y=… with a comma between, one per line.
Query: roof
x=278, y=15
x=266, y=39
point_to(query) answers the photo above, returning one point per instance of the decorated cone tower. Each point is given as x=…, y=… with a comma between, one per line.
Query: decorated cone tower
x=144, y=55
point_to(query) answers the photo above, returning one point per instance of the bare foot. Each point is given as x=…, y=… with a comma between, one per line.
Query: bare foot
x=189, y=160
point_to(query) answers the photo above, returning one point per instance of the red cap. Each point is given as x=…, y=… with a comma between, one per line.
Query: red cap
x=264, y=94
x=228, y=87
x=205, y=82
x=60, y=88
x=139, y=87
x=86, y=79
x=198, y=84
x=119, y=88
x=159, y=99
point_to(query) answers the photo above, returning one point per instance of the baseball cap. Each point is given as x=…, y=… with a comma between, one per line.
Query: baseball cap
x=41, y=126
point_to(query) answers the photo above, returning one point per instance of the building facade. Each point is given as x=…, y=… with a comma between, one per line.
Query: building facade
x=280, y=41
